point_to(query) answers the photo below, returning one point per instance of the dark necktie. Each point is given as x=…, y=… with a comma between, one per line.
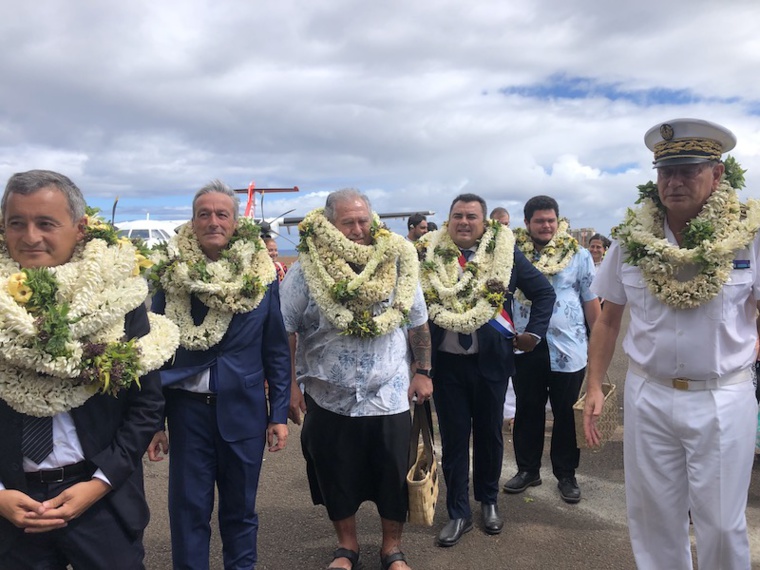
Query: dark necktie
x=37, y=438
x=465, y=340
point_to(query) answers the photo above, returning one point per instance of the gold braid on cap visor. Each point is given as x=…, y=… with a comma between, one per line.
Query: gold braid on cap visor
x=688, y=148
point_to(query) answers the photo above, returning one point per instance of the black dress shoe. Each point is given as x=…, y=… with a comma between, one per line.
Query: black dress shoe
x=492, y=522
x=453, y=531
x=569, y=490
x=522, y=481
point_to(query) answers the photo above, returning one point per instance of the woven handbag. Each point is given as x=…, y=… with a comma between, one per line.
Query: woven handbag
x=608, y=420
x=422, y=477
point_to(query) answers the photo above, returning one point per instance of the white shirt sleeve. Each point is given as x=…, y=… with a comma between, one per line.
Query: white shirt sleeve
x=607, y=283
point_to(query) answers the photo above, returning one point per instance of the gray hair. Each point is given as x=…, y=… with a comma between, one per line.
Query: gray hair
x=26, y=183
x=217, y=185
x=342, y=195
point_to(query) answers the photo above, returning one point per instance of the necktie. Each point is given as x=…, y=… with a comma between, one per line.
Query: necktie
x=37, y=438
x=465, y=340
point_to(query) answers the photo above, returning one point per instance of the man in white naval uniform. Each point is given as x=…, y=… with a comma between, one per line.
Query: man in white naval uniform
x=687, y=263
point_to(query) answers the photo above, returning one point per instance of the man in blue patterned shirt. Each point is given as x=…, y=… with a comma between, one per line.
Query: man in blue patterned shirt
x=556, y=367
x=355, y=303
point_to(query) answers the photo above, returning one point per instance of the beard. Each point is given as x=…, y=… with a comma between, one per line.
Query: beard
x=540, y=242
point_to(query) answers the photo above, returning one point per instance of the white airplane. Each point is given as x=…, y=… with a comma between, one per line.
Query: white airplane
x=270, y=226
x=152, y=232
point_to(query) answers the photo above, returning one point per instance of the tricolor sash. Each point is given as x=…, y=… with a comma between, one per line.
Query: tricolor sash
x=503, y=324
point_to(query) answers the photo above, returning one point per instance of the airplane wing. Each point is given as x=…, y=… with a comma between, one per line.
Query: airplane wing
x=291, y=221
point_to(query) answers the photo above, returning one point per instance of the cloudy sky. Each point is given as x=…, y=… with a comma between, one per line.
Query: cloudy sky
x=410, y=101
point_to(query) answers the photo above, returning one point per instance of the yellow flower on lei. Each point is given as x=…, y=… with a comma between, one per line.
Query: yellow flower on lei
x=386, y=268
x=18, y=289
x=57, y=350
x=464, y=299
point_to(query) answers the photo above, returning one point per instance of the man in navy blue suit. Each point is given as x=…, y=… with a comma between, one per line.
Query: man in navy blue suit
x=219, y=285
x=470, y=270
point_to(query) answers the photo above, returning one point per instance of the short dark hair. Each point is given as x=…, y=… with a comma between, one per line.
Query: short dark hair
x=432, y=226
x=416, y=219
x=604, y=239
x=469, y=198
x=540, y=203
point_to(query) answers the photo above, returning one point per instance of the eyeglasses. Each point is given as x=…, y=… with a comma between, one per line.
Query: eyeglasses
x=687, y=171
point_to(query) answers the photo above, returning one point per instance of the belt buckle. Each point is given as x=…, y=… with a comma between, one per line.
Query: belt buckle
x=681, y=383
x=55, y=475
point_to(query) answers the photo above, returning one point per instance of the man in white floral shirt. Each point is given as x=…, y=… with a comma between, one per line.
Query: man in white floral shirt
x=352, y=299
x=556, y=367
x=686, y=261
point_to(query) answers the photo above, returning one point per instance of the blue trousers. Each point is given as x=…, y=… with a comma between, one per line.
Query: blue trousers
x=199, y=460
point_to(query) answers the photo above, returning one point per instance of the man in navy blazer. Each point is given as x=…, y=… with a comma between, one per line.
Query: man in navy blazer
x=218, y=414
x=470, y=377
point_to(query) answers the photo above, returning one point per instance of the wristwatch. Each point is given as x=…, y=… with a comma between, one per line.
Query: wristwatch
x=425, y=372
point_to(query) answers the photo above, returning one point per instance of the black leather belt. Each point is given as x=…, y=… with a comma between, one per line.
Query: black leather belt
x=206, y=398
x=59, y=474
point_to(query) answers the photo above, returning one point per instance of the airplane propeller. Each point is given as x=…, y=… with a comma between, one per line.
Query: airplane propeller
x=266, y=225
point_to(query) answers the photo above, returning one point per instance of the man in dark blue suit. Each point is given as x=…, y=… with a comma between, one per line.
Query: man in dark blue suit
x=470, y=270
x=71, y=479
x=219, y=285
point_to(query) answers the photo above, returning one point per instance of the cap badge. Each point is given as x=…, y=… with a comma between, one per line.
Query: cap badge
x=666, y=131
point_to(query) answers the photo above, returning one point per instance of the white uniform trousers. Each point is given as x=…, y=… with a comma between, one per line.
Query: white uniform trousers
x=688, y=450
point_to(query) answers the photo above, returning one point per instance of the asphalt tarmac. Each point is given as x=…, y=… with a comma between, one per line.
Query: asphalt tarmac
x=541, y=531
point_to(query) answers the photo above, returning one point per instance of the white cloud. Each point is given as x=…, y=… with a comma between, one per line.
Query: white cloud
x=402, y=100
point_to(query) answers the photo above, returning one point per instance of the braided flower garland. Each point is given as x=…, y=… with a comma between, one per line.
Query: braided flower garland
x=349, y=299
x=62, y=328
x=464, y=304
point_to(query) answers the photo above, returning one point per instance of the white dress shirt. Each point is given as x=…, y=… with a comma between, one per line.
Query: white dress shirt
x=704, y=343
x=66, y=449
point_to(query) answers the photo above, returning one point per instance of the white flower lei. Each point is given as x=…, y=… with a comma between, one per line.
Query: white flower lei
x=467, y=303
x=553, y=257
x=100, y=287
x=643, y=235
x=347, y=298
x=183, y=269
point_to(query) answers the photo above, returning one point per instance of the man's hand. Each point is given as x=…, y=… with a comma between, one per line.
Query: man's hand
x=525, y=342
x=277, y=436
x=68, y=505
x=24, y=512
x=159, y=444
x=591, y=413
x=297, y=404
x=422, y=386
